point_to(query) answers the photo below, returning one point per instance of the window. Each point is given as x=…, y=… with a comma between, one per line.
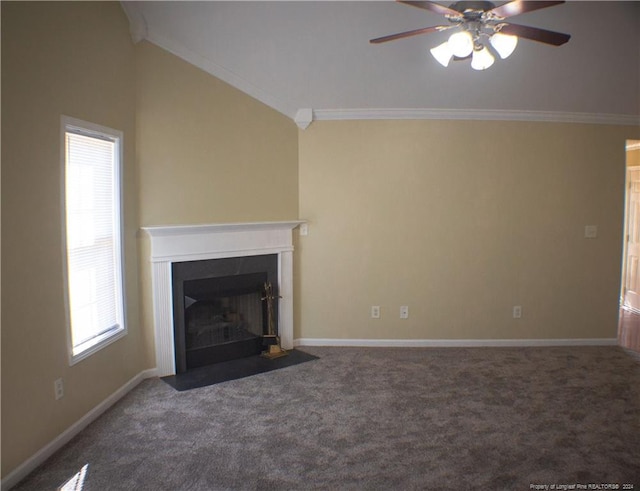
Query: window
x=93, y=242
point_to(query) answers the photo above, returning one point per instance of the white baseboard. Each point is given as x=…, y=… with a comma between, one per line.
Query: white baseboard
x=454, y=343
x=29, y=465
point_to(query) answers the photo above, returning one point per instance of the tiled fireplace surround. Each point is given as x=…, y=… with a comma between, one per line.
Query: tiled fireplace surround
x=215, y=241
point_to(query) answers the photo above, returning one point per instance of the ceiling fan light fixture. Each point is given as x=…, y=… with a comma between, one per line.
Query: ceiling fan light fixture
x=481, y=59
x=461, y=44
x=442, y=53
x=483, y=31
x=504, y=44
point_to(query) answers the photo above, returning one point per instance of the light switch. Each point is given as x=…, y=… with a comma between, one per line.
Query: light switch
x=590, y=231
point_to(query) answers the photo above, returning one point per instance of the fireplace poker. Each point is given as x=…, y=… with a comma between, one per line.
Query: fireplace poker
x=274, y=349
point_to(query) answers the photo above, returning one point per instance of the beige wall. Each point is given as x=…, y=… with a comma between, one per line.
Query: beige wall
x=207, y=152
x=75, y=59
x=460, y=221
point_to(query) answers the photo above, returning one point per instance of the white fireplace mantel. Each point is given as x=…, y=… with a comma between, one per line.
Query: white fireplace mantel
x=180, y=243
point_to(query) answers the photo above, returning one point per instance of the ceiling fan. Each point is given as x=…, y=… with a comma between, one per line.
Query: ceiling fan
x=476, y=22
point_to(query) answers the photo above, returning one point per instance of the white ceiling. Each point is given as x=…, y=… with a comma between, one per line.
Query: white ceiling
x=310, y=54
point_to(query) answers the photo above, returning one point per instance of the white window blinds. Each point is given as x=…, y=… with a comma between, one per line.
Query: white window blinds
x=93, y=223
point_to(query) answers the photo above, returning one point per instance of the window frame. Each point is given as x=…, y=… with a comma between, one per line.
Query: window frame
x=78, y=126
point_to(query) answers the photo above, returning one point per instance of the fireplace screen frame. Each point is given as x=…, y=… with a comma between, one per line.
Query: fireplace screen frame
x=207, y=269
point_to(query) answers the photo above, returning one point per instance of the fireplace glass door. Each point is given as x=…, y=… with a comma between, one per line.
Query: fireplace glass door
x=218, y=309
x=224, y=318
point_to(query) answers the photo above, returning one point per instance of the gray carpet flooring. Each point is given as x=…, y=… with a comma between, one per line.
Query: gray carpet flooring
x=378, y=419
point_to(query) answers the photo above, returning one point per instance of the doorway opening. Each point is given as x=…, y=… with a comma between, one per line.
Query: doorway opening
x=629, y=323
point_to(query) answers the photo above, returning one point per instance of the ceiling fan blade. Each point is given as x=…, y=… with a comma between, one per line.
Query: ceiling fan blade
x=406, y=34
x=433, y=7
x=535, y=34
x=518, y=7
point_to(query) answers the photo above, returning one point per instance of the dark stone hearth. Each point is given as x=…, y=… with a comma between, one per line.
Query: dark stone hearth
x=234, y=369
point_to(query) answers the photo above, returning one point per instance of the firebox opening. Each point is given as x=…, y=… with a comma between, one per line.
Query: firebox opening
x=224, y=318
x=219, y=311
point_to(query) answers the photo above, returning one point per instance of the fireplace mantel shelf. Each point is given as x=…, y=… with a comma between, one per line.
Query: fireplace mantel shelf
x=177, y=243
x=210, y=241
x=213, y=228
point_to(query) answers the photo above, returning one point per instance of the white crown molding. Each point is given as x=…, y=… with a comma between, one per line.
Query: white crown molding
x=137, y=22
x=476, y=115
x=303, y=117
x=454, y=343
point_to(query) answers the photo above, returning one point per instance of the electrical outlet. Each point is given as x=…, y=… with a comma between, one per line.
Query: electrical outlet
x=517, y=312
x=404, y=312
x=58, y=388
x=590, y=231
x=375, y=311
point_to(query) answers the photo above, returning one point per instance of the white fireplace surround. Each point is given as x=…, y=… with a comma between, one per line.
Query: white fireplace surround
x=181, y=243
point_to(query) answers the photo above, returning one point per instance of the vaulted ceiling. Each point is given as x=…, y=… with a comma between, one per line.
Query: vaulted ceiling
x=317, y=55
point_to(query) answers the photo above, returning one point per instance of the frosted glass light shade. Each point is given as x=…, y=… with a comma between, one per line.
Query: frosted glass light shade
x=504, y=44
x=442, y=53
x=461, y=44
x=481, y=59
